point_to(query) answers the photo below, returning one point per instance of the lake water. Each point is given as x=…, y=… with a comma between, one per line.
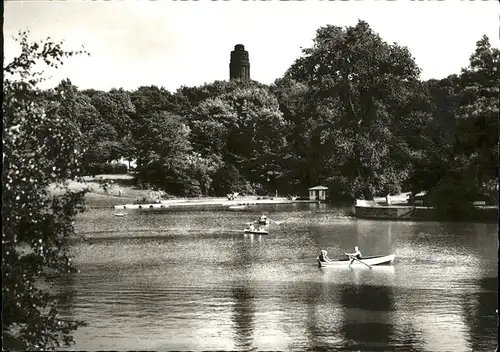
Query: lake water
x=192, y=281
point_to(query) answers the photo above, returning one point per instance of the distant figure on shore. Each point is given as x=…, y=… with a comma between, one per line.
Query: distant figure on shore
x=357, y=254
x=232, y=196
x=388, y=199
x=105, y=187
x=323, y=256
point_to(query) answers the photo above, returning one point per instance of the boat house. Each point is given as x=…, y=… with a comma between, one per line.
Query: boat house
x=318, y=193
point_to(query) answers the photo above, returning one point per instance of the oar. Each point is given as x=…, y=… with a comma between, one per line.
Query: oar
x=276, y=222
x=356, y=259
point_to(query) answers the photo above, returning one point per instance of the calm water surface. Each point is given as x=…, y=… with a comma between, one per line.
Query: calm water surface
x=192, y=281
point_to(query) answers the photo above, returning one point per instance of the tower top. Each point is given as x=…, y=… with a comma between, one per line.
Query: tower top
x=239, y=66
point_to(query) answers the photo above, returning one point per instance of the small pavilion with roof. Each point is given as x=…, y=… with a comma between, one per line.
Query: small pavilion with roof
x=318, y=193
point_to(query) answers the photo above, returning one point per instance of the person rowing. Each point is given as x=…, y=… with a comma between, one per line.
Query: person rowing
x=323, y=256
x=356, y=254
x=263, y=220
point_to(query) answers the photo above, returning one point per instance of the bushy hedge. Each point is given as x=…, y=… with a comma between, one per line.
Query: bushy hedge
x=146, y=200
x=106, y=168
x=228, y=179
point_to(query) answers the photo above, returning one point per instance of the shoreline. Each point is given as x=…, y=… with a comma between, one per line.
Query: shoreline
x=419, y=213
x=121, y=194
x=212, y=203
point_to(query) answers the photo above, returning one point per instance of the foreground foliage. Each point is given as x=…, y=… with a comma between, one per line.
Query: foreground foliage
x=40, y=150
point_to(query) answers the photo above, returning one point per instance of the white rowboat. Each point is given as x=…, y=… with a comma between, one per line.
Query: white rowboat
x=373, y=260
x=238, y=206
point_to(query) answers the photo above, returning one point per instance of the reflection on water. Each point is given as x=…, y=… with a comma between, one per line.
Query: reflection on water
x=194, y=281
x=477, y=310
x=243, y=317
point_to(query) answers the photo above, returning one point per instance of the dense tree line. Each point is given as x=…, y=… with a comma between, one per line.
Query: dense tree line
x=350, y=113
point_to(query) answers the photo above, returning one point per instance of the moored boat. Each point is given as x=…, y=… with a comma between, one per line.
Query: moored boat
x=256, y=232
x=242, y=206
x=373, y=260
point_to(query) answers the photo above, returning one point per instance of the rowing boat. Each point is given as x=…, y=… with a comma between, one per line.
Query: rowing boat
x=242, y=206
x=373, y=260
x=256, y=232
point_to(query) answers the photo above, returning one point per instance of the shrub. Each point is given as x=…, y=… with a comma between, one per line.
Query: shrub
x=107, y=168
x=227, y=179
x=145, y=200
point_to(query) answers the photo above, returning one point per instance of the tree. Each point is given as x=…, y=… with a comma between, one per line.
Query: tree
x=294, y=99
x=149, y=99
x=40, y=150
x=100, y=142
x=227, y=179
x=211, y=122
x=163, y=155
x=478, y=125
x=433, y=144
x=115, y=108
x=241, y=123
x=362, y=87
x=111, y=135
x=472, y=172
x=456, y=159
x=202, y=170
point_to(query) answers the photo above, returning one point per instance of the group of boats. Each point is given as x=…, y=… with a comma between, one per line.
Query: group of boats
x=259, y=227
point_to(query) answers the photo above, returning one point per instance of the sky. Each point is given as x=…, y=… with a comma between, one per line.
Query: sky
x=187, y=43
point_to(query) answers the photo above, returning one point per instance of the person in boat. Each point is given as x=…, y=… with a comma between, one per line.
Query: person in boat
x=251, y=227
x=263, y=220
x=356, y=254
x=323, y=256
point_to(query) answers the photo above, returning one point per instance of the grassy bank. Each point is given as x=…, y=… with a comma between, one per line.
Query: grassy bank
x=121, y=190
x=105, y=191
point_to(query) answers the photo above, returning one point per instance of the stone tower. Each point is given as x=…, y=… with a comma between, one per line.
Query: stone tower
x=239, y=66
